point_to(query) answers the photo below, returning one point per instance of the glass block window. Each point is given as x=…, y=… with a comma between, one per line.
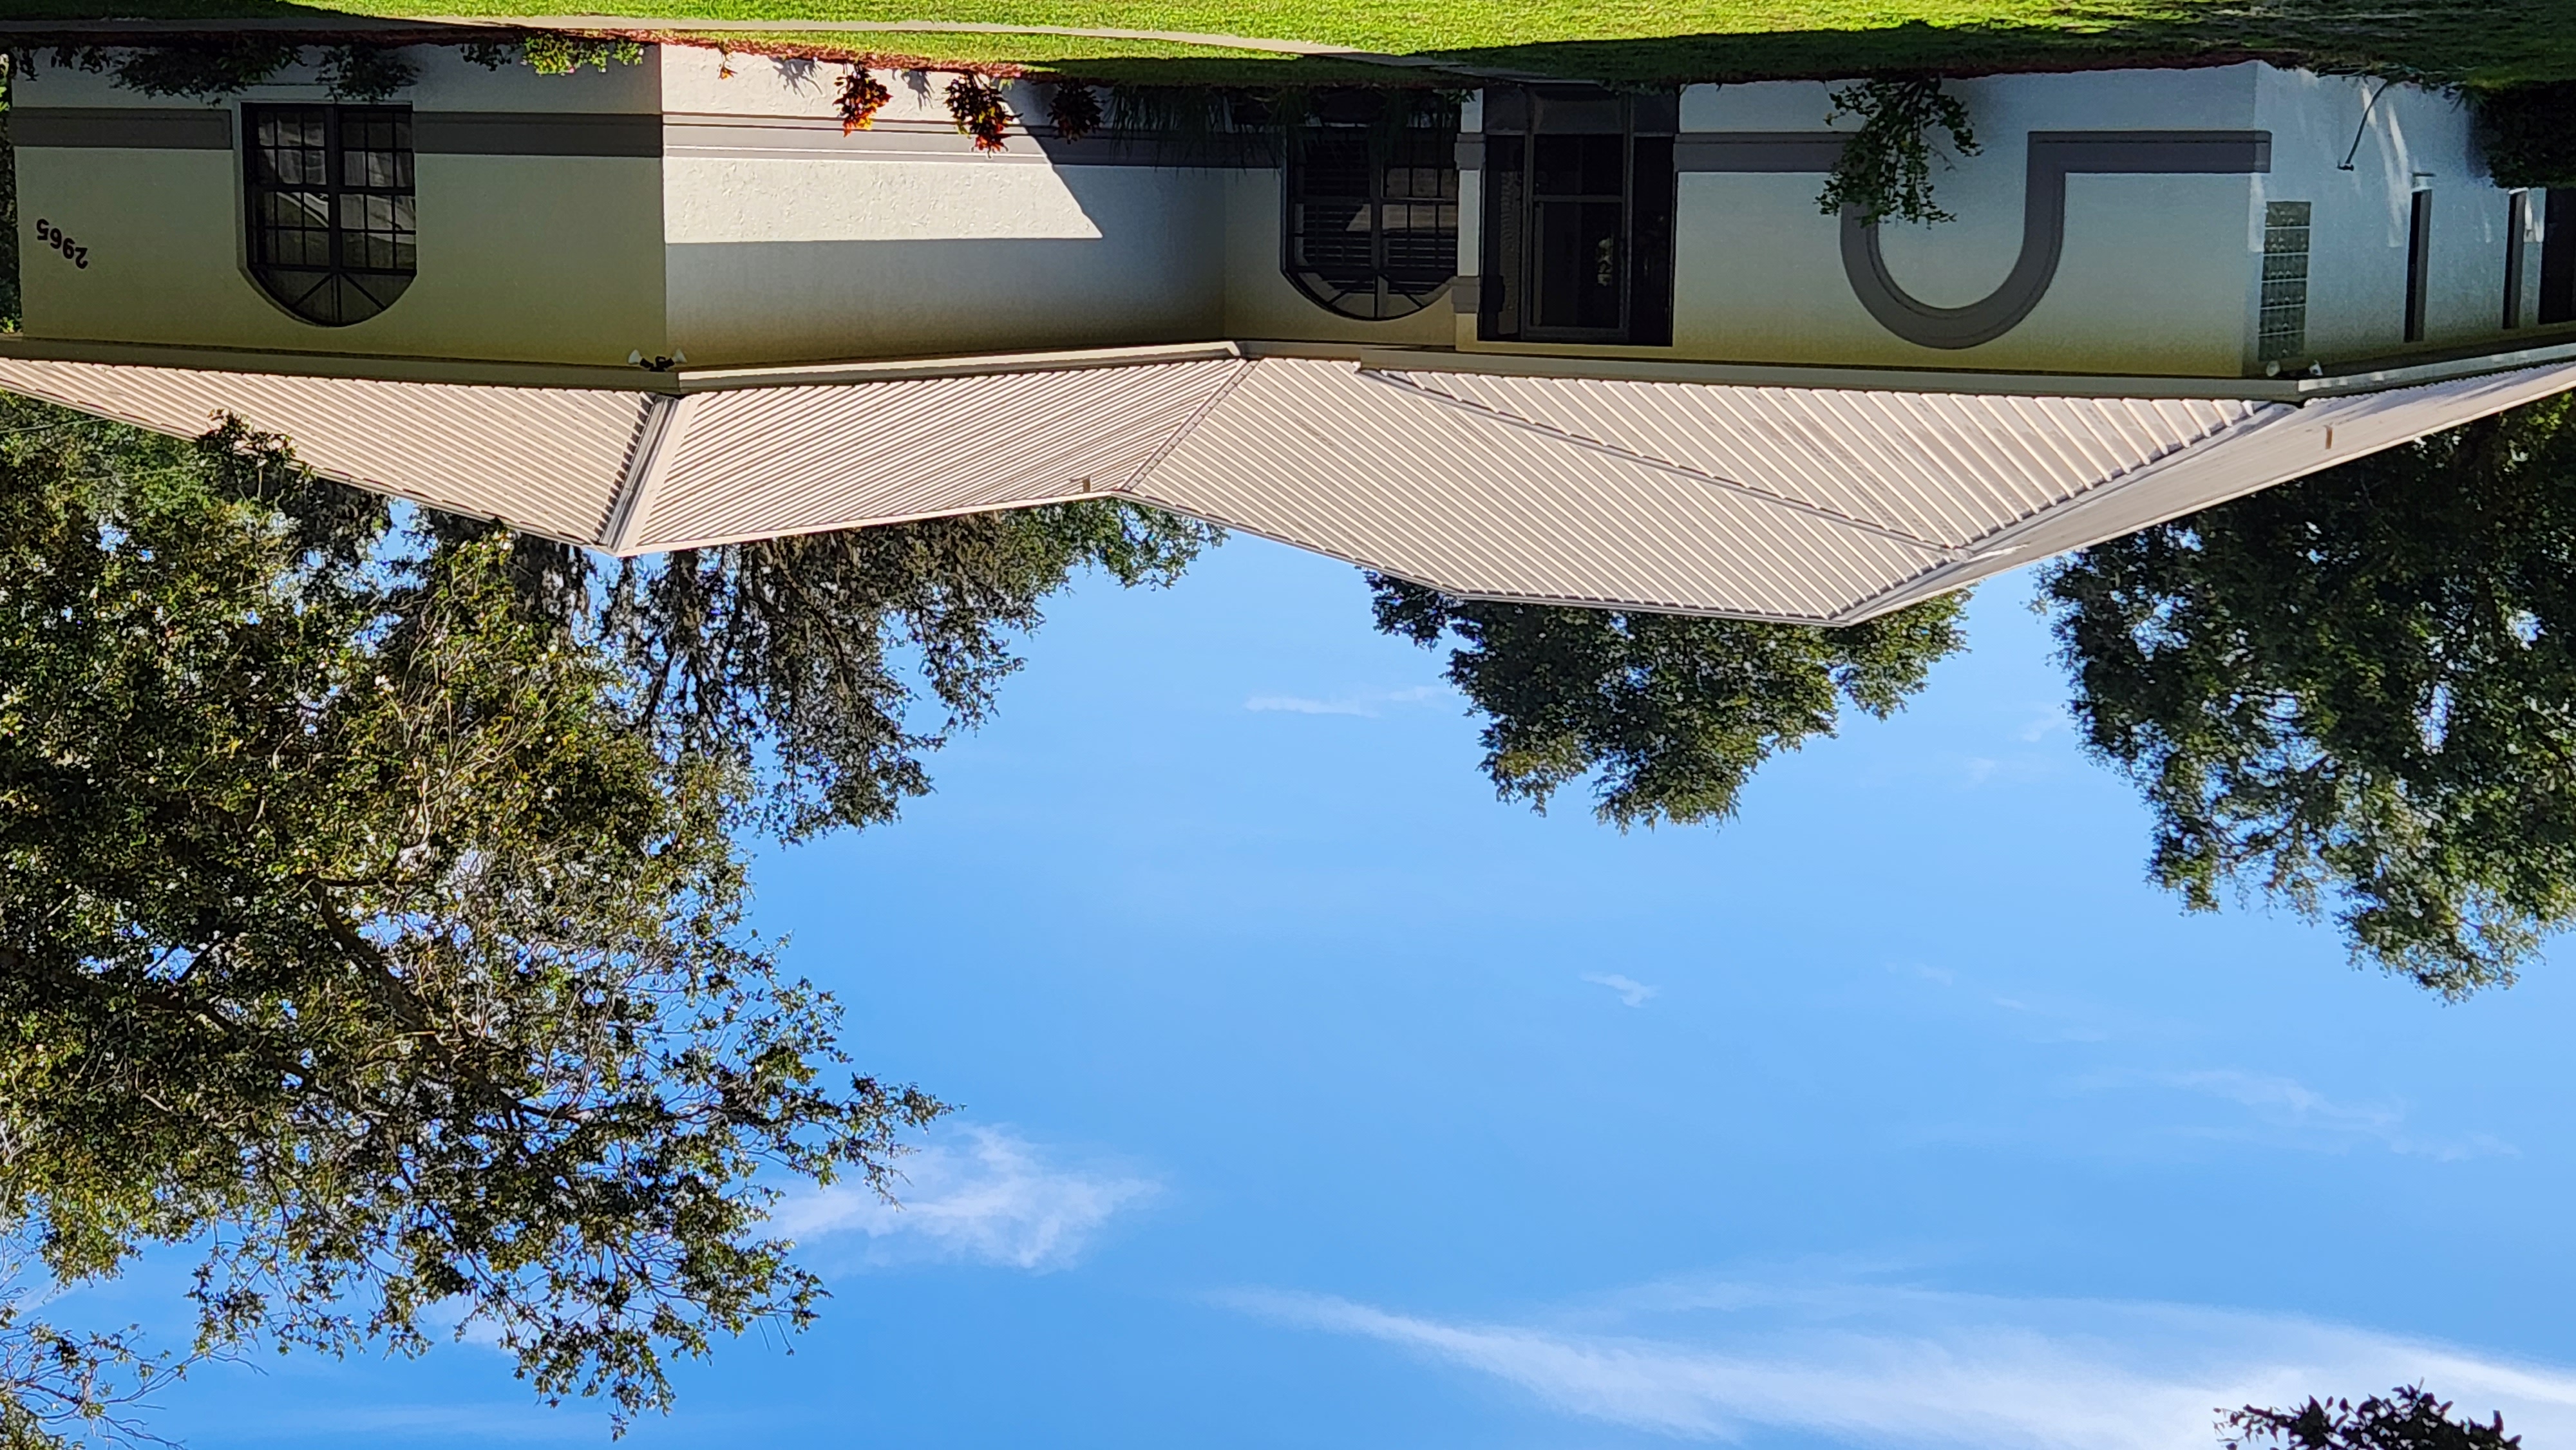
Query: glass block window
x=332, y=232
x=2282, y=332
x=1372, y=223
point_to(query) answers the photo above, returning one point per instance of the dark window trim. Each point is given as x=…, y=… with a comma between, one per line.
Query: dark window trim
x=1390, y=295
x=2558, y=257
x=1650, y=201
x=2517, y=230
x=321, y=295
x=2419, y=264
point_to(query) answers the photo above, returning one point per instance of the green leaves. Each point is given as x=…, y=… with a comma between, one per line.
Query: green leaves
x=1670, y=715
x=2355, y=694
x=1885, y=169
x=2408, y=1419
x=780, y=657
x=370, y=913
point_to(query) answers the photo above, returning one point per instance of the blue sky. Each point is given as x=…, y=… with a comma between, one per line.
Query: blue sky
x=1312, y=1097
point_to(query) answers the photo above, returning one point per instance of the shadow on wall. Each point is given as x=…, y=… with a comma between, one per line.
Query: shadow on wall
x=937, y=296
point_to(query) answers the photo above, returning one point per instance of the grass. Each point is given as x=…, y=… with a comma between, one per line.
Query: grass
x=2494, y=42
x=1091, y=58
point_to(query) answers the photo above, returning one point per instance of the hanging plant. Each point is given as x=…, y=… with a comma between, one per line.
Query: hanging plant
x=862, y=96
x=975, y=103
x=1074, y=110
x=561, y=55
x=1886, y=167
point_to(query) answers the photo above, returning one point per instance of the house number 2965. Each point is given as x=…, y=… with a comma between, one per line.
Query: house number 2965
x=52, y=236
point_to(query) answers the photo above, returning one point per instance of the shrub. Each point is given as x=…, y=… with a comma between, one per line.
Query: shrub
x=2528, y=133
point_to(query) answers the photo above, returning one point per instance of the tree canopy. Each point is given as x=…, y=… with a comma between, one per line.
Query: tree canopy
x=371, y=912
x=2355, y=694
x=2407, y=1419
x=1667, y=715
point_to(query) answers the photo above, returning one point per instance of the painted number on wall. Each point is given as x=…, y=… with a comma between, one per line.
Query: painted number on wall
x=52, y=236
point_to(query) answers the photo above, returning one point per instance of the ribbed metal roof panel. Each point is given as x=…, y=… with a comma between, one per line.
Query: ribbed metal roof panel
x=766, y=461
x=2286, y=444
x=1952, y=467
x=548, y=460
x=1316, y=454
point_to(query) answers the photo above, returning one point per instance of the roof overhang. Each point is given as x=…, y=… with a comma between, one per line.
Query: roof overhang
x=1807, y=495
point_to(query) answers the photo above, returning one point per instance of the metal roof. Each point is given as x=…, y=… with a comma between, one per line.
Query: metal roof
x=1812, y=504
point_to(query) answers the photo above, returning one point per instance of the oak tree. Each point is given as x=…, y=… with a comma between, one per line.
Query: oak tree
x=2356, y=695
x=371, y=909
x=1667, y=715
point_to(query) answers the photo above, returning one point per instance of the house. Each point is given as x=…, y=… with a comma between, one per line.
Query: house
x=1559, y=344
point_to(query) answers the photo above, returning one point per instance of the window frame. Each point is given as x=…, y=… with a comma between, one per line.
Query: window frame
x=340, y=291
x=2557, y=302
x=1387, y=297
x=1649, y=203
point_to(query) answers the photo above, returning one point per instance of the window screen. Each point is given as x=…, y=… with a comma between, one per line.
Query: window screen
x=1372, y=225
x=332, y=234
x=1579, y=200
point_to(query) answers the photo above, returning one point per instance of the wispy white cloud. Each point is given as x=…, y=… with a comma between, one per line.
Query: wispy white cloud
x=995, y=1198
x=2045, y=723
x=1303, y=705
x=1882, y=1367
x=1366, y=703
x=2287, y=1104
x=1938, y=976
x=1631, y=992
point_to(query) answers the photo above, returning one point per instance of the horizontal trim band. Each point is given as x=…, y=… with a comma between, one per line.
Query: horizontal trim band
x=2187, y=153
x=535, y=133
x=138, y=128
x=433, y=133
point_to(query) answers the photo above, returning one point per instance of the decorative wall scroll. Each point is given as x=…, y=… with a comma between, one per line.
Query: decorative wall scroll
x=2054, y=156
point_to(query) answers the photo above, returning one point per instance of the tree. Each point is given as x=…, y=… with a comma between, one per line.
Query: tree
x=1669, y=715
x=2355, y=694
x=370, y=914
x=2409, y=1419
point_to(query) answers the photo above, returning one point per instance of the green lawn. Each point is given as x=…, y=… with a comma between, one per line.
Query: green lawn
x=2503, y=40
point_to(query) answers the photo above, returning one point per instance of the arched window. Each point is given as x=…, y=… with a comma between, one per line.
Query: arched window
x=331, y=226
x=1372, y=203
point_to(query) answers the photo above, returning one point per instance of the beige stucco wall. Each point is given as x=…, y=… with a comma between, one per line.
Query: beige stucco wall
x=789, y=241
x=2150, y=280
x=2413, y=140
x=524, y=258
x=2159, y=274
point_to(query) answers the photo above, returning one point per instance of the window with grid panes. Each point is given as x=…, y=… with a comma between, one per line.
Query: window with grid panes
x=332, y=232
x=1372, y=223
